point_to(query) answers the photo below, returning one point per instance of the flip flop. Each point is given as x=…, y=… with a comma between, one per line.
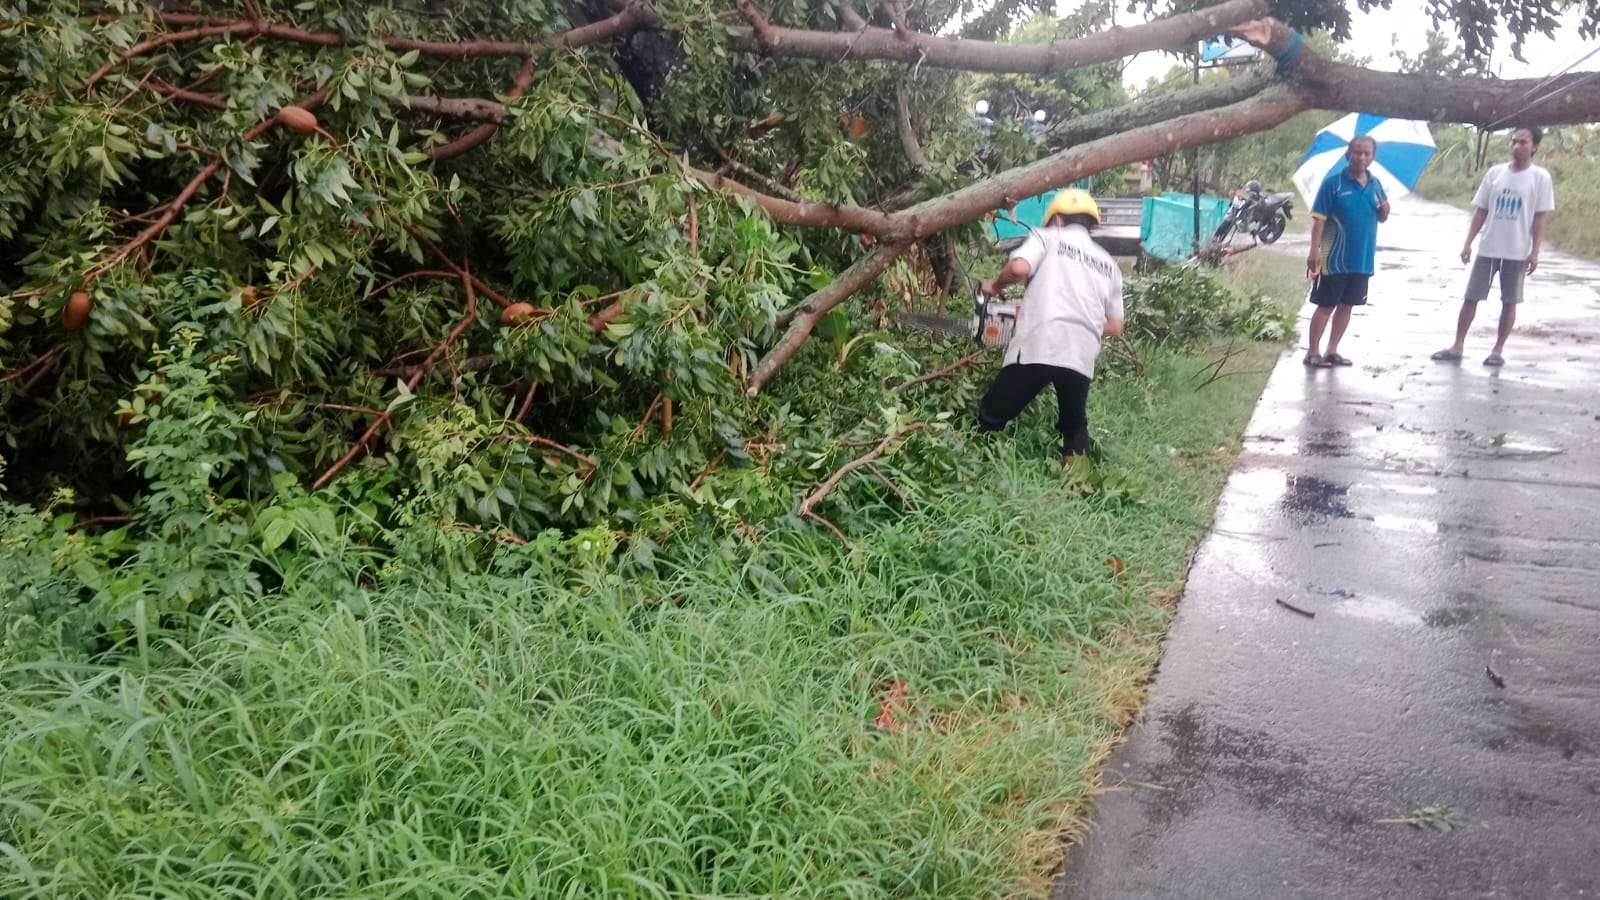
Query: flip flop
x=1446, y=356
x=1334, y=359
x=1494, y=359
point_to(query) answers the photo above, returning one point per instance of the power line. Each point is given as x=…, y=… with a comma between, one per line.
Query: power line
x=1585, y=79
x=1548, y=79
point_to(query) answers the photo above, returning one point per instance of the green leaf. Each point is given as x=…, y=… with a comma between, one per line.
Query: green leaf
x=276, y=532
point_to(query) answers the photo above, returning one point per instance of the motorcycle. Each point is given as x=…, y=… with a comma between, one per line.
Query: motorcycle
x=1263, y=218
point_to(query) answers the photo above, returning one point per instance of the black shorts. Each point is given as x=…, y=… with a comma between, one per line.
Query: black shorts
x=1340, y=290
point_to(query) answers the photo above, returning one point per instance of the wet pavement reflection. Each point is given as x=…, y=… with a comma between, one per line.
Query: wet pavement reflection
x=1442, y=523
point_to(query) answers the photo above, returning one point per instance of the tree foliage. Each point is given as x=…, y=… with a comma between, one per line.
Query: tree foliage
x=1476, y=22
x=480, y=266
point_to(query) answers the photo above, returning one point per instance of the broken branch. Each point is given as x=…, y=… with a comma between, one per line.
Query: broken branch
x=813, y=307
x=460, y=272
x=908, y=134
x=176, y=205
x=588, y=461
x=808, y=505
x=945, y=372
x=411, y=383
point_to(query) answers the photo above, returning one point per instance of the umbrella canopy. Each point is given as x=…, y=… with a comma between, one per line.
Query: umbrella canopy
x=1404, y=148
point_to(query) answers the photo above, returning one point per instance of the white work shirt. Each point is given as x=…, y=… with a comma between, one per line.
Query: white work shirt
x=1511, y=198
x=1074, y=287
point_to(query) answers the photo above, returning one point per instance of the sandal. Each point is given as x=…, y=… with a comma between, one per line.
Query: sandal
x=1315, y=361
x=1334, y=359
x=1494, y=359
x=1446, y=356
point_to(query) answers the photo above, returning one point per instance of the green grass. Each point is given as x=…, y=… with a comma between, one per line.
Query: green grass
x=1573, y=227
x=709, y=733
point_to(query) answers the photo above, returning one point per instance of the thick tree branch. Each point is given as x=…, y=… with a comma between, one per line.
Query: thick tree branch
x=804, y=212
x=1150, y=110
x=988, y=56
x=1573, y=97
x=1567, y=98
x=488, y=111
x=487, y=130
x=633, y=16
x=813, y=307
x=1265, y=111
x=759, y=26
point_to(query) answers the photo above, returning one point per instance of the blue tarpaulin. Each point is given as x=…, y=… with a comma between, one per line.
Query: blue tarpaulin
x=1166, y=225
x=1028, y=214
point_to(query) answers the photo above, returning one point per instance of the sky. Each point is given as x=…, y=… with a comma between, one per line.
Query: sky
x=1378, y=33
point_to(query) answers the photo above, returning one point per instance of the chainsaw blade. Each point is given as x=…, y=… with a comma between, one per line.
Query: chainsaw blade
x=946, y=325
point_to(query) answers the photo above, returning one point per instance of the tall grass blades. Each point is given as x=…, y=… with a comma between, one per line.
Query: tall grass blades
x=731, y=727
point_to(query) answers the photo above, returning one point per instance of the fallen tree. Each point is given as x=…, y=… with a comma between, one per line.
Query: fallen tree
x=287, y=181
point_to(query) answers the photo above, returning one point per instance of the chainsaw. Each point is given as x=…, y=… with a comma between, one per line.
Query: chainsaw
x=992, y=322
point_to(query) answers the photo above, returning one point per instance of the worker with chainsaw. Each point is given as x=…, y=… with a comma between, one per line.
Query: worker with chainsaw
x=1073, y=299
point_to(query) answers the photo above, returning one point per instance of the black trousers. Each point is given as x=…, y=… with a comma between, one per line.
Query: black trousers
x=1016, y=386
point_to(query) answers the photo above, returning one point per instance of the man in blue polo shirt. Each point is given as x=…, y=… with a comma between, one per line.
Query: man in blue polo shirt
x=1349, y=206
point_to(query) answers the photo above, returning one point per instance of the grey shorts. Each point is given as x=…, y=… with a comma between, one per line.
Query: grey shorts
x=1485, y=268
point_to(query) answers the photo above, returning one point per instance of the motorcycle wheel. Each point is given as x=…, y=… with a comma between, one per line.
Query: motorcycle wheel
x=1221, y=234
x=1273, y=230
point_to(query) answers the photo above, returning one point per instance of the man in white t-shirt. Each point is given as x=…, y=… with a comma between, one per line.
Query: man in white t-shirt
x=1511, y=204
x=1074, y=298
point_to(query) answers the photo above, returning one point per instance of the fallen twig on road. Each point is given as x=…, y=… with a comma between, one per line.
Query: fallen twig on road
x=1292, y=608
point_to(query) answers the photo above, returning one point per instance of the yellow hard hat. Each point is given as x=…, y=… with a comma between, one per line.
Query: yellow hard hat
x=1071, y=202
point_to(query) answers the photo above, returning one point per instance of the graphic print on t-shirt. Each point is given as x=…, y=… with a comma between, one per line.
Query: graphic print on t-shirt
x=1508, y=205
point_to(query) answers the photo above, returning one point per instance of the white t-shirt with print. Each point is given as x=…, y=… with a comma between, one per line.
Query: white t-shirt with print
x=1074, y=287
x=1511, y=198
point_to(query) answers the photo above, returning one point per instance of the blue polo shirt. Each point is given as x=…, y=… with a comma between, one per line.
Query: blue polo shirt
x=1351, y=212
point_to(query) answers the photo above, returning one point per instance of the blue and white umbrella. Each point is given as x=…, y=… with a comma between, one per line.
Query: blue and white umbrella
x=1404, y=148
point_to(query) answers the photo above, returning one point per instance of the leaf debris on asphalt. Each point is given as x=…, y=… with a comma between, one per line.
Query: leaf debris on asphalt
x=1428, y=818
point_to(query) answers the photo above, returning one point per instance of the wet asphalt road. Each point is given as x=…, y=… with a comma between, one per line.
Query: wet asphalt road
x=1438, y=519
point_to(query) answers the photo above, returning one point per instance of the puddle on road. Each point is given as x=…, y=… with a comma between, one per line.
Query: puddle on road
x=1378, y=609
x=1488, y=449
x=1329, y=442
x=1421, y=490
x=1307, y=499
x=1406, y=523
